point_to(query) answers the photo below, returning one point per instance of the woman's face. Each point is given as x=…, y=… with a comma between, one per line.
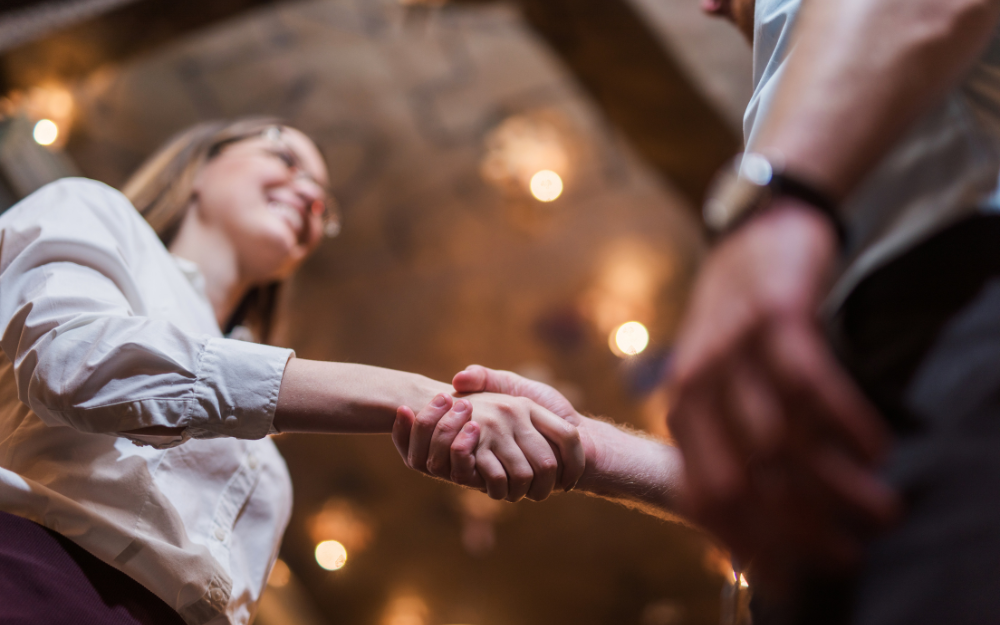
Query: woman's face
x=266, y=196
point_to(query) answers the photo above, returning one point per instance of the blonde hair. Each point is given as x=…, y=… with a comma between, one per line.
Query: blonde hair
x=162, y=190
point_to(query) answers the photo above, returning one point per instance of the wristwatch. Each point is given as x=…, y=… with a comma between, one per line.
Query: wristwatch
x=749, y=184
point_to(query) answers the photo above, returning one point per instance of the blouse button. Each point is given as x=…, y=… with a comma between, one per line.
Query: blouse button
x=231, y=421
x=252, y=461
x=220, y=534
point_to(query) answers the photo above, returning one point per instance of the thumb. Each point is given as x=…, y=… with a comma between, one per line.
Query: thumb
x=475, y=379
x=478, y=379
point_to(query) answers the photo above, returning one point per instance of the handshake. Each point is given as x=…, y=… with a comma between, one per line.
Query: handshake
x=506, y=435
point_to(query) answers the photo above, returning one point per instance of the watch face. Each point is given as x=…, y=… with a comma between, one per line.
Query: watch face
x=756, y=169
x=739, y=188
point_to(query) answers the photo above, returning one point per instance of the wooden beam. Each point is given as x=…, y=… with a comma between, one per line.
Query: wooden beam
x=631, y=75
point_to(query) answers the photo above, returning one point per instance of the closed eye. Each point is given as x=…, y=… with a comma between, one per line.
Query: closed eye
x=286, y=157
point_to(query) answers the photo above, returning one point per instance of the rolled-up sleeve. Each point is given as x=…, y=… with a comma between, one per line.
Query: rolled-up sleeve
x=85, y=351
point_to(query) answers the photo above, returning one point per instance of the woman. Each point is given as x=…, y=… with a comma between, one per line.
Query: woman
x=112, y=336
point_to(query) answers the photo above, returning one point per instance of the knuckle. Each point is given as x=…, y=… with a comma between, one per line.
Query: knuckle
x=425, y=422
x=572, y=435
x=437, y=467
x=521, y=478
x=445, y=428
x=548, y=465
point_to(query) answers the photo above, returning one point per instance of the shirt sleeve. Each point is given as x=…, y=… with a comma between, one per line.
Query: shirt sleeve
x=86, y=354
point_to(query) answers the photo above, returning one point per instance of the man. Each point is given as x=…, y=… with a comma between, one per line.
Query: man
x=873, y=151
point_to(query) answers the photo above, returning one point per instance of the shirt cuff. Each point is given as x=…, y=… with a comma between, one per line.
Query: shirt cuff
x=237, y=389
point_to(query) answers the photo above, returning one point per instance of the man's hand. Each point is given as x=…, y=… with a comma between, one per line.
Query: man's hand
x=627, y=467
x=779, y=445
x=521, y=449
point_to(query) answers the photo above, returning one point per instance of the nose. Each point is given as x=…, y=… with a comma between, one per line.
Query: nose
x=307, y=189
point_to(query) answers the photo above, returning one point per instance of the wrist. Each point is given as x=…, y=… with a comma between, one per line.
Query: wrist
x=754, y=183
x=596, y=437
x=789, y=218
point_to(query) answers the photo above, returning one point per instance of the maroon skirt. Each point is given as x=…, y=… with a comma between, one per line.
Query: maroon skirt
x=47, y=578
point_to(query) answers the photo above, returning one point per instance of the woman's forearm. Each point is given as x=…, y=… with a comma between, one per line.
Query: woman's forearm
x=633, y=470
x=344, y=398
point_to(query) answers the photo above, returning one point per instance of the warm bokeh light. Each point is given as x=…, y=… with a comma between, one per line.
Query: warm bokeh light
x=280, y=574
x=46, y=132
x=629, y=339
x=743, y=582
x=331, y=555
x=546, y=185
x=344, y=521
x=405, y=609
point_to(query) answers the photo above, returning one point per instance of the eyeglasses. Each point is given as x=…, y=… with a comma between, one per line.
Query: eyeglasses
x=325, y=208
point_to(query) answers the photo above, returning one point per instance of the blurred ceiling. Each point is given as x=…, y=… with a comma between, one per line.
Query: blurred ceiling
x=610, y=46
x=435, y=117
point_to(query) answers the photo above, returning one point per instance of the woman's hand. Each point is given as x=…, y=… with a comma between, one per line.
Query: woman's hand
x=514, y=457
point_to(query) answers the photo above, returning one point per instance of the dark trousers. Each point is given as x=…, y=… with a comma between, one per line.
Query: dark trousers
x=922, y=338
x=47, y=579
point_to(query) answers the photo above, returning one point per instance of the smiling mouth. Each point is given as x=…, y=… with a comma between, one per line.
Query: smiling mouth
x=291, y=215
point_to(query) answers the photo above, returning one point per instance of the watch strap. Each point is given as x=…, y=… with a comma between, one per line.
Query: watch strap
x=783, y=185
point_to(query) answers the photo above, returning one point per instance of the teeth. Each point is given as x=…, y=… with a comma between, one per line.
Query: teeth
x=289, y=213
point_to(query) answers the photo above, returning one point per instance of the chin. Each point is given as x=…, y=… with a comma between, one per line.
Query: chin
x=273, y=257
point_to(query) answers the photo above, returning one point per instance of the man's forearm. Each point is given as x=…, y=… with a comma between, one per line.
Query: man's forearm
x=861, y=74
x=632, y=470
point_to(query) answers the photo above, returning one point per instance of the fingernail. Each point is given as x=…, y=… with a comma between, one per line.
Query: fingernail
x=440, y=401
x=461, y=406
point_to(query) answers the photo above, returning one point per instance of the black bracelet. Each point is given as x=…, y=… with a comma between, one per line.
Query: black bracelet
x=787, y=186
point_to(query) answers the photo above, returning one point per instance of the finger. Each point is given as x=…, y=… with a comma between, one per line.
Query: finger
x=463, y=459
x=852, y=491
x=423, y=428
x=476, y=379
x=817, y=387
x=752, y=409
x=472, y=380
x=518, y=469
x=544, y=463
x=401, y=431
x=439, y=456
x=713, y=468
x=493, y=474
x=801, y=529
x=566, y=438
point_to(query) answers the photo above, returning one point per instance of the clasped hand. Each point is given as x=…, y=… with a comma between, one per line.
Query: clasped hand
x=781, y=449
x=511, y=437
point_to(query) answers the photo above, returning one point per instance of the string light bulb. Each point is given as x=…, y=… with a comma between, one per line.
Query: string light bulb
x=331, y=555
x=546, y=185
x=629, y=339
x=46, y=132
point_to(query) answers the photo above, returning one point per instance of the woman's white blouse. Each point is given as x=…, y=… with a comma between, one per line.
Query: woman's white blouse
x=105, y=332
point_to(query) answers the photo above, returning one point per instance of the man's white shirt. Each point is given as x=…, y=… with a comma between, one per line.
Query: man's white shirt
x=945, y=168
